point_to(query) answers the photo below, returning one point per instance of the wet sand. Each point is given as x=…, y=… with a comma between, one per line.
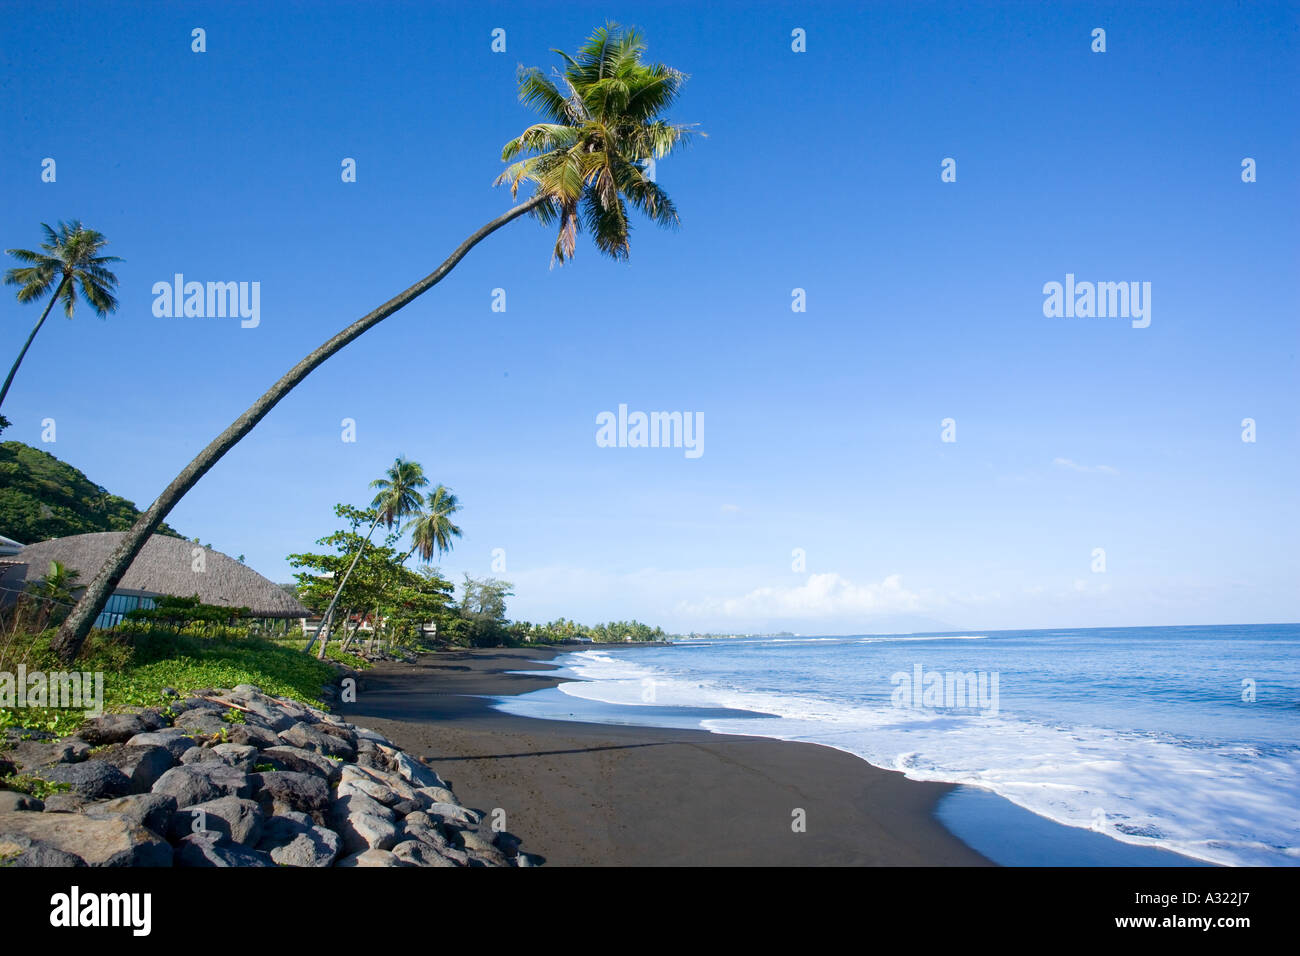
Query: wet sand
x=593, y=794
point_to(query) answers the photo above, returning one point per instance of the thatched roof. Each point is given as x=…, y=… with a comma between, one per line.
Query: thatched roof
x=166, y=565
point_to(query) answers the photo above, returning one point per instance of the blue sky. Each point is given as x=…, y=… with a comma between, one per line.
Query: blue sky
x=821, y=171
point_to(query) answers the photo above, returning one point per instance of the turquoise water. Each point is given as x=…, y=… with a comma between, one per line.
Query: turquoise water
x=1179, y=738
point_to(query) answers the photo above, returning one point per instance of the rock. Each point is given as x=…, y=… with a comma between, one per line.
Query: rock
x=403, y=807
x=199, y=783
x=265, y=714
x=92, y=779
x=361, y=831
x=11, y=800
x=66, y=803
x=294, y=842
x=240, y=756
x=253, y=736
x=455, y=814
x=371, y=857
x=113, y=729
x=34, y=853
x=108, y=841
x=308, y=737
x=31, y=756
x=151, y=810
x=202, y=721
x=435, y=839
x=72, y=750
x=342, y=731
x=172, y=739
x=7, y=768
x=416, y=774
x=364, y=733
x=373, y=760
x=304, y=761
x=210, y=849
x=359, y=803
x=507, y=843
x=527, y=859
x=142, y=765
x=432, y=795
x=283, y=790
x=248, y=689
x=232, y=818
x=474, y=844
x=415, y=853
x=376, y=791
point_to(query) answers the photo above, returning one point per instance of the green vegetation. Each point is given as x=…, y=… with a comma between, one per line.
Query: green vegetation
x=42, y=497
x=561, y=630
x=32, y=786
x=139, y=660
x=180, y=613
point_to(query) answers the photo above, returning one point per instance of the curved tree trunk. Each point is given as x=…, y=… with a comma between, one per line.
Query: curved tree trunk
x=28, y=344
x=323, y=632
x=67, y=643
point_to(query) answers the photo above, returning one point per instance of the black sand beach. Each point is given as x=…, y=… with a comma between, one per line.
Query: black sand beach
x=591, y=794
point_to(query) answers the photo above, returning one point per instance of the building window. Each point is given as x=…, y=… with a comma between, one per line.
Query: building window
x=118, y=605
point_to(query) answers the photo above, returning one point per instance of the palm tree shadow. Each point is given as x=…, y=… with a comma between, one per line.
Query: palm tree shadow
x=547, y=753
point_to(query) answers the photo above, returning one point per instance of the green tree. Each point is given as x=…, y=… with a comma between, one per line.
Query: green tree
x=431, y=527
x=70, y=256
x=397, y=497
x=482, y=611
x=591, y=154
x=54, y=592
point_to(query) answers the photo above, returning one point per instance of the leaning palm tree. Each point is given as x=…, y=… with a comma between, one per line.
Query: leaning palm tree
x=70, y=256
x=603, y=124
x=398, y=496
x=431, y=527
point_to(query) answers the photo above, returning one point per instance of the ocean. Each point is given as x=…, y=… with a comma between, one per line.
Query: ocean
x=1182, y=739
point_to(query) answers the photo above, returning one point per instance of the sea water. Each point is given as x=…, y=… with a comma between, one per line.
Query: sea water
x=1183, y=739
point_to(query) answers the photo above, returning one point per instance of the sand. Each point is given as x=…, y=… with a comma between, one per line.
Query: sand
x=581, y=794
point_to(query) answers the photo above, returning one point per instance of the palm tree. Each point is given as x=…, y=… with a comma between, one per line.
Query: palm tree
x=398, y=496
x=590, y=154
x=56, y=589
x=431, y=528
x=71, y=255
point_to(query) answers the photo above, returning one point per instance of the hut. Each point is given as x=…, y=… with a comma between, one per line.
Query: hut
x=165, y=566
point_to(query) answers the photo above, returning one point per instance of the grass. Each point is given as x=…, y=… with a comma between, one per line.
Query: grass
x=139, y=661
x=33, y=786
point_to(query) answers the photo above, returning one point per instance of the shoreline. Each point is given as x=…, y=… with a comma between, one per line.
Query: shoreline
x=581, y=793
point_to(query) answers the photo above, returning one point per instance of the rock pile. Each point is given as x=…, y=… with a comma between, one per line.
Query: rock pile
x=236, y=778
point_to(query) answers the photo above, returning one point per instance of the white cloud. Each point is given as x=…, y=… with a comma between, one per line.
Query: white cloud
x=818, y=596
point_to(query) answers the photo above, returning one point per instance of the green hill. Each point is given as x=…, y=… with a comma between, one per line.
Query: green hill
x=42, y=497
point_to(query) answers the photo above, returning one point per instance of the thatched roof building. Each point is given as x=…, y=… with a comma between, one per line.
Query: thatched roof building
x=166, y=565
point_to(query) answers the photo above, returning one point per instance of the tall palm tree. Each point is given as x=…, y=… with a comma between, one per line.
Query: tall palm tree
x=71, y=256
x=431, y=527
x=398, y=496
x=590, y=154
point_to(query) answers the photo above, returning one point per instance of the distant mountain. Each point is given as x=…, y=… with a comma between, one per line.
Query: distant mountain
x=42, y=497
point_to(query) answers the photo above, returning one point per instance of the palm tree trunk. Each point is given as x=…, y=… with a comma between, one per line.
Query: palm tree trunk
x=28, y=344
x=323, y=632
x=72, y=634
